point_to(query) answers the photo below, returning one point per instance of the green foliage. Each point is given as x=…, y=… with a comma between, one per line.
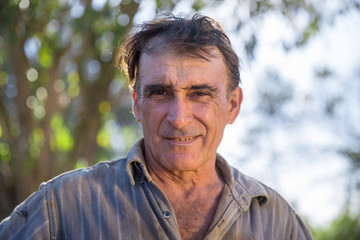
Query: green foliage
x=198, y=4
x=15, y=130
x=45, y=57
x=3, y=78
x=345, y=226
x=354, y=156
x=164, y=5
x=5, y=154
x=36, y=141
x=62, y=139
x=81, y=163
x=129, y=133
x=310, y=31
x=103, y=138
x=73, y=83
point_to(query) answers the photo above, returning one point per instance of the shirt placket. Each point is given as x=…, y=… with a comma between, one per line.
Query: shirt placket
x=161, y=206
x=228, y=211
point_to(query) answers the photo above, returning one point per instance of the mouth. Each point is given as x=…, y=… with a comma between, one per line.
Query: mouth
x=182, y=139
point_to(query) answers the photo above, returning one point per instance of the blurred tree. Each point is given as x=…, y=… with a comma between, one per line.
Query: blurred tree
x=59, y=93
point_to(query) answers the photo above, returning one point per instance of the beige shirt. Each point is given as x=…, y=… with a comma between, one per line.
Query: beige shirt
x=119, y=200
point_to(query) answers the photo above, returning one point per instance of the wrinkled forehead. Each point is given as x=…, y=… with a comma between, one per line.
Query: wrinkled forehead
x=176, y=69
x=161, y=52
x=181, y=72
x=163, y=45
x=158, y=47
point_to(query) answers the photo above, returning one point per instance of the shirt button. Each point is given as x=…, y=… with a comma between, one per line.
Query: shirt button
x=166, y=214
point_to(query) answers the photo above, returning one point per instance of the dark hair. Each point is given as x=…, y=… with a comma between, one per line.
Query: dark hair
x=194, y=37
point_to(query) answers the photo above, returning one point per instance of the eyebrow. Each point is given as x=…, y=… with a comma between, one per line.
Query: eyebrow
x=155, y=87
x=148, y=89
x=204, y=87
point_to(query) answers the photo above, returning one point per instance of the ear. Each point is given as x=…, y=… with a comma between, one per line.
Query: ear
x=136, y=106
x=234, y=104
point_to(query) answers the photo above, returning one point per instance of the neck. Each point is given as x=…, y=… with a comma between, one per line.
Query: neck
x=186, y=181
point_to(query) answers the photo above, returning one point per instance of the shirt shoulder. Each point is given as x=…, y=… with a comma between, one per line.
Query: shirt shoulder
x=271, y=207
x=121, y=169
x=265, y=196
x=101, y=170
x=251, y=188
x=29, y=220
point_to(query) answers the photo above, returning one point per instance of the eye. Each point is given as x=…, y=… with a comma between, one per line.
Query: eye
x=200, y=94
x=155, y=91
x=158, y=92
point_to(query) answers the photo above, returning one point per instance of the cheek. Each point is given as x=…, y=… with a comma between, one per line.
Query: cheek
x=214, y=114
x=152, y=115
x=211, y=120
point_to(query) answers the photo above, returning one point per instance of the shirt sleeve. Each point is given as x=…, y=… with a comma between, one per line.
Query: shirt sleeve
x=286, y=222
x=29, y=220
x=303, y=232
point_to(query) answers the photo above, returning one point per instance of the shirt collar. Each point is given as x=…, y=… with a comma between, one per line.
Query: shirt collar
x=136, y=162
x=242, y=187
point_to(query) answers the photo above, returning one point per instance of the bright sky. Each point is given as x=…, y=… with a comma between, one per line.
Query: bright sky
x=312, y=179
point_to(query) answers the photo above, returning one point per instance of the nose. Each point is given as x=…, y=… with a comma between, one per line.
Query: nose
x=180, y=113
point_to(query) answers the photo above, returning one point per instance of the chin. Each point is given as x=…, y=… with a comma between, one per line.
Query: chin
x=183, y=163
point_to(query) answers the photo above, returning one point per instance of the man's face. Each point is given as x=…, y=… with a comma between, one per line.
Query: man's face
x=183, y=108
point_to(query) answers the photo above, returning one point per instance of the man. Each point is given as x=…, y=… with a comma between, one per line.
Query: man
x=172, y=184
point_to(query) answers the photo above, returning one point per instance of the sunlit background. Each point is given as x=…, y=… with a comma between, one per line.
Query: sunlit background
x=64, y=106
